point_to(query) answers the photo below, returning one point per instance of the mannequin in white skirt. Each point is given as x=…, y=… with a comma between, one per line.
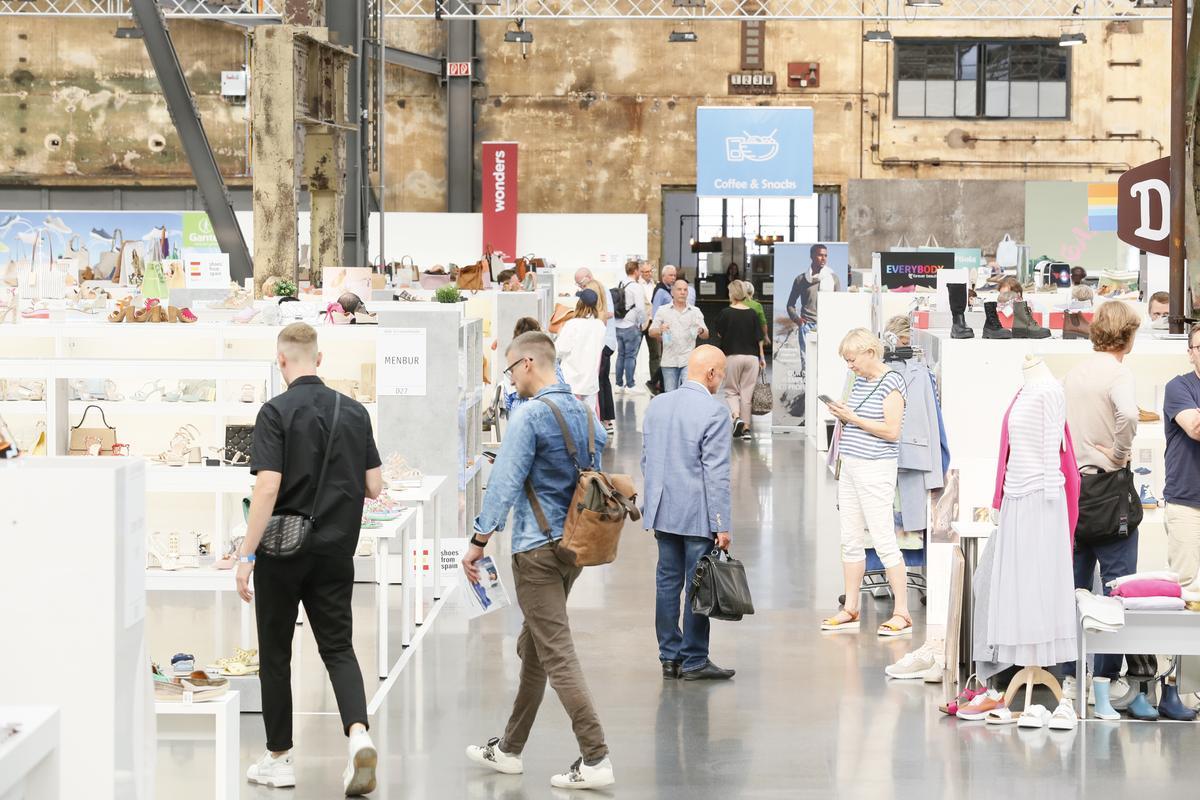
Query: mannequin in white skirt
x=1024, y=586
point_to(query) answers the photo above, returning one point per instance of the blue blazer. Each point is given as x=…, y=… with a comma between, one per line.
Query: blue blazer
x=685, y=463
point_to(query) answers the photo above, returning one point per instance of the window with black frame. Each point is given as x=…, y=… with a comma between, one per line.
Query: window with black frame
x=977, y=79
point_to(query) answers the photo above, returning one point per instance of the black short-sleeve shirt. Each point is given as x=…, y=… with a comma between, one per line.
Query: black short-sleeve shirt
x=290, y=437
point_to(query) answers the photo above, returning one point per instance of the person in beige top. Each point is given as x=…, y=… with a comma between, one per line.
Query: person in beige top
x=1102, y=414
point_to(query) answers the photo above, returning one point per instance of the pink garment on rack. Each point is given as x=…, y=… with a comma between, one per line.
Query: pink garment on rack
x=1070, y=470
x=1148, y=588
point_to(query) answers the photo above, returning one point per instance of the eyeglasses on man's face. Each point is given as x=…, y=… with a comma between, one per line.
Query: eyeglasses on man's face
x=514, y=365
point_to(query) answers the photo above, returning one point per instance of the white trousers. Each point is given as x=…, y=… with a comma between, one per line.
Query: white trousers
x=1183, y=541
x=866, y=495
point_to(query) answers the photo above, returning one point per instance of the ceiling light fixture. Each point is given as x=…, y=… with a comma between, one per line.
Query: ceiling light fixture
x=923, y=3
x=519, y=35
x=128, y=33
x=1072, y=39
x=683, y=36
x=880, y=37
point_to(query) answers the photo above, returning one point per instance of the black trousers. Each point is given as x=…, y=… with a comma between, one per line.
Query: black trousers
x=608, y=410
x=325, y=585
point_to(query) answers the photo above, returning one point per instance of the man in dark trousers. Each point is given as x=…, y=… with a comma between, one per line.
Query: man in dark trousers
x=293, y=435
x=685, y=464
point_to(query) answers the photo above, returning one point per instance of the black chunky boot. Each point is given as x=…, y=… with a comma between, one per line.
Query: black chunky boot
x=992, y=329
x=959, y=329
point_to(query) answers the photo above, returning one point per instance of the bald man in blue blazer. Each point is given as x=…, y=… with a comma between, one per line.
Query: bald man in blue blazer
x=685, y=463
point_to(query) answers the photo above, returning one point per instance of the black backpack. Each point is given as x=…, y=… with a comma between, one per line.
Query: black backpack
x=620, y=309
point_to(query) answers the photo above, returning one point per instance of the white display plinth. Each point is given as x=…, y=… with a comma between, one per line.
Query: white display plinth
x=74, y=565
x=840, y=312
x=225, y=713
x=29, y=763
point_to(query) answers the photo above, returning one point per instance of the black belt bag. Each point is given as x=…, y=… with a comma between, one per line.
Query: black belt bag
x=1109, y=507
x=287, y=535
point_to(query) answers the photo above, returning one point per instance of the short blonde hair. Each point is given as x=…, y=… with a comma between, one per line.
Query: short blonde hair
x=900, y=326
x=298, y=342
x=1113, y=327
x=860, y=340
x=749, y=288
x=737, y=292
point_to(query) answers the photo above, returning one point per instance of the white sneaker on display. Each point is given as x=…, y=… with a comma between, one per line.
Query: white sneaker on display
x=359, y=777
x=278, y=773
x=581, y=776
x=1069, y=686
x=914, y=665
x=490, y=755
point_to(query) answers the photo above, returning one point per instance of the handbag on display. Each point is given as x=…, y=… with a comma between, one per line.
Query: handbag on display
x=174, y=273
x=470, y=277
x=110, y=260
x=1006, y=253
x=495, y=266
x=154, y=282
x=77, y=254
x=720, y=589
x=84, y=441
x=762, y=401
x=239, y=439
x=598, y=508
x=287, y=535
x=1109, y=506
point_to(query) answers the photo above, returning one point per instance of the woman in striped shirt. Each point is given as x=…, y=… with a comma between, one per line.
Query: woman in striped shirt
x=871, y=419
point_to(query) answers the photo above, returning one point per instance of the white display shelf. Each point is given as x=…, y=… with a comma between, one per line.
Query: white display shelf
x=143, y=369
x=197, y=478
x=470, y=472
x=22, y=407
x=150, y=407
x=29, y=761
x=204, y=579
x=225, y=713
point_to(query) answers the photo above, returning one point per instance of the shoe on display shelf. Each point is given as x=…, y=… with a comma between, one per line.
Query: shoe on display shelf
x=279, y=773
x=196, y=687
x=1141, y=708
x=959, y=329
x=1024, y=325
x=237, y=299
x=581, y=776
x=490, y=755
x=183, y=663
x=980, y=705
x=1147, y=497
x=397, y=473
x=1147, y=416
x=1170, y=706
x=964, y=697
x=914, y=665
x=381, y=510
x=243, y=662
x=1076, y=326
x=992, y=329
x=1064, y=717
x=1104, y=709
x=1036, y=716
x=1142, y=471
x=359, y=777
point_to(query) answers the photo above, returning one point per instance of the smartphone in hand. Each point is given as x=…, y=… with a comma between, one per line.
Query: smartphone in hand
x=826, y=399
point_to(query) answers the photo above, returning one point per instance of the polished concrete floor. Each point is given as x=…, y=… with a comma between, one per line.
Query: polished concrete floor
x=808, y=716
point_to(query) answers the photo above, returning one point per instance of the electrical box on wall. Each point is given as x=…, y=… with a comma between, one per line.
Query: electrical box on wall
x=234, y=83
x=804, y=74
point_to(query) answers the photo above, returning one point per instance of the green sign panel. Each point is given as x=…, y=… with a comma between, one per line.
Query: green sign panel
x=197, y=232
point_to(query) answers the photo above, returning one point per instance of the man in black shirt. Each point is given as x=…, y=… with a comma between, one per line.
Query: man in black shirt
x=291, y=436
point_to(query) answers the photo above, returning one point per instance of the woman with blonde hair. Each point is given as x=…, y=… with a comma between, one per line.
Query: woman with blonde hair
x=869, y=446
x=742, y=342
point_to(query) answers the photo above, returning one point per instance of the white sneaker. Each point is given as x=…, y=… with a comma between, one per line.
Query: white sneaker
x=935, y=673
x=581, y=776
x=1069, y=686
x=359, y=777
x=913, y=665
x=490, y=755
x=271, y=771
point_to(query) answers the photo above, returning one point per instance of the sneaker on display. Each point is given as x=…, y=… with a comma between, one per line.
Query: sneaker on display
x=979, y=707
x=359, y=777
x=278, y=773
x=1064, y=717
x=1147, y=497
x=581, y=776
x=490, y=755
x=913, y=665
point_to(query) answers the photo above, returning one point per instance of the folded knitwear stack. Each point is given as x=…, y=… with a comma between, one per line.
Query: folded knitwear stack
x=1149, y=591
x=1099, y=614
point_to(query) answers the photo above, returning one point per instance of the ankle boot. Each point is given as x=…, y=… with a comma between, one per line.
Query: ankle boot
x=1104, y=709
x=992, y=329
x=1076, y=326
x=1023, y=325
x=958, y=311
x=1169, y=704
x=1141, y=709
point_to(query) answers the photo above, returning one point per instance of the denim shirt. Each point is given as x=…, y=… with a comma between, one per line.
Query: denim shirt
x=534, y=448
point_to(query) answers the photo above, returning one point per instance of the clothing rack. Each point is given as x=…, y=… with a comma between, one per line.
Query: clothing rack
x=903, y=354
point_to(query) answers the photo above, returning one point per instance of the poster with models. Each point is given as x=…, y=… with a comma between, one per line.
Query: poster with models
x=802, y=272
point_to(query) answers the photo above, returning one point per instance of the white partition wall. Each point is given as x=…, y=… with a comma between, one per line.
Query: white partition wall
x=72, y=583
x=840, y=312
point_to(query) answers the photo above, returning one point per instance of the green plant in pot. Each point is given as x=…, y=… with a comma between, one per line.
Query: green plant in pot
x=448, y=294
x=285, y=288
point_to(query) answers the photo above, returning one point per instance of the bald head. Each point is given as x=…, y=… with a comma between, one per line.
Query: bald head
x=707, y=366
x=582, y=277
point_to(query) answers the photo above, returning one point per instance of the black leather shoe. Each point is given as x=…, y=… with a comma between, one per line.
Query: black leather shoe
x=670, y=669
x=709, y=672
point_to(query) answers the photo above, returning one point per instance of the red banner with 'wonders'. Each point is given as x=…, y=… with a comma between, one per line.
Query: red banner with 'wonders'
x=500, y=198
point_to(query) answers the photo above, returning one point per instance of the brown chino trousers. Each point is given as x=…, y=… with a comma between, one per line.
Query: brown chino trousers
x=548, y=652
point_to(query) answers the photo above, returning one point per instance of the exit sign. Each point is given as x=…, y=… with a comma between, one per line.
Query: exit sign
x=458, y=69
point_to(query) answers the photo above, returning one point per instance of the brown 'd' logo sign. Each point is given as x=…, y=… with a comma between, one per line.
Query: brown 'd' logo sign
x=1144, y=207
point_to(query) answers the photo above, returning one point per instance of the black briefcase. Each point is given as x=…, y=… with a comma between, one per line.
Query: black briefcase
x=720, y=589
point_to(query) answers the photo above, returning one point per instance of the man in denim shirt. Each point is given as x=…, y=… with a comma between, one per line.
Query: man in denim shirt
x=534, y=452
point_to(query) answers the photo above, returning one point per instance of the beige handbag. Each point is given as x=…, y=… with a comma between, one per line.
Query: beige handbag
x=78, y=255
x=110, y=260
x=92, y=441
x=176, y=277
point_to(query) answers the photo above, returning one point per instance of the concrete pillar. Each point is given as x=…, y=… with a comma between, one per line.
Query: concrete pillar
x=325, y=173
x=277, y=141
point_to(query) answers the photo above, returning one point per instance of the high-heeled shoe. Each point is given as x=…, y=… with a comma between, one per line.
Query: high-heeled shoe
x=336, y=315
x=29, y=391
x=183, y=315
x=149, y=390
x=237, y=298
x=365, y=318
x=80, y=391
x=39, y=442
x=123, y=312
x=39, y=311
x=184, y=448
x=111, y=392
x=229, y=457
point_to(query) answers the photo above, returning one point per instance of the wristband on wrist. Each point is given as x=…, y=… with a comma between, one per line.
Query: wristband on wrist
x=247, y=559
x=475, y=540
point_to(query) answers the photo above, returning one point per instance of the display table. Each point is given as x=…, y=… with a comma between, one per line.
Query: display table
x=1173, y=632
x=427, y=496
x=29, y=762
x=400, y=528
x=227, y=745
x=971, y=537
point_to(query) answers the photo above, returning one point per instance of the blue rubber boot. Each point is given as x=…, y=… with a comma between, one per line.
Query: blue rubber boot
x=1169, y=704
x=1104, y=709
x=1140, y=708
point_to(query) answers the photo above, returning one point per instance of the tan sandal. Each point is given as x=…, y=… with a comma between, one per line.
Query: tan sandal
x=833, y=624
x=889, y=628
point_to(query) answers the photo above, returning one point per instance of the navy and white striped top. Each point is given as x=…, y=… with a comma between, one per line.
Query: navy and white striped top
x=866, y=400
